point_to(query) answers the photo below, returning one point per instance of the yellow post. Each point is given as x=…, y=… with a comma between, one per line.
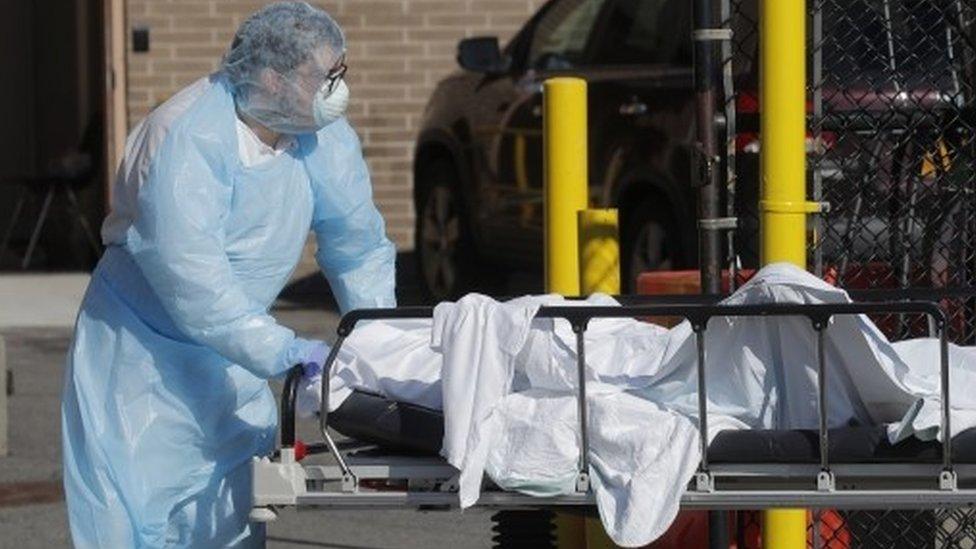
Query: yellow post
x=564, y=142
x=565, y=173
x=599, y=252
x=784, y=528
x=783, y=158
x=783, y=131
x=599, y=260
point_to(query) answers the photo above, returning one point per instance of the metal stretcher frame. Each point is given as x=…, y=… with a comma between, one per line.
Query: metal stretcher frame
x=430, y=482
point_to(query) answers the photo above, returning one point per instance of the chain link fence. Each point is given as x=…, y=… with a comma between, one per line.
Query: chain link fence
x=890, y=148
x=891, y=154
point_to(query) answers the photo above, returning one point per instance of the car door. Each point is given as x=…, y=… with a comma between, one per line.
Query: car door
x=510, y=135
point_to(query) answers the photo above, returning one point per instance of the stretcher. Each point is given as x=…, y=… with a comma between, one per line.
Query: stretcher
x=391, y=460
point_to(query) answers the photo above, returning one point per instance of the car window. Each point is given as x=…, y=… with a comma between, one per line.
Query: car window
x=868, y=45
x=561, y=35
x=646, y=32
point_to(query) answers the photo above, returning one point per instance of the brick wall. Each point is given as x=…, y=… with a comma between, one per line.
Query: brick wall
x=398, y=50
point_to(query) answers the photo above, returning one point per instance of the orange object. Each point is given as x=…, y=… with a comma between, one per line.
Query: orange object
x=681, y=282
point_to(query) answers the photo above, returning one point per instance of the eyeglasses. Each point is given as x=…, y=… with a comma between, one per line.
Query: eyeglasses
x=336, y=74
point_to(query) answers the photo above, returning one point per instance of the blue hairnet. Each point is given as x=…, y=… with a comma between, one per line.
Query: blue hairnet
x=281, y=55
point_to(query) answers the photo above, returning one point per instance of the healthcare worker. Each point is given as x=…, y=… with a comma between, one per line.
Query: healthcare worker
x=166, y=395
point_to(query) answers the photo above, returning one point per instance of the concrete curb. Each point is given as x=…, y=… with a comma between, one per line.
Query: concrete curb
x=3, y=398
x=41, y=300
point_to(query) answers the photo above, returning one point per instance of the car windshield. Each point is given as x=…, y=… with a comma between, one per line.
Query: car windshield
x=562, y=33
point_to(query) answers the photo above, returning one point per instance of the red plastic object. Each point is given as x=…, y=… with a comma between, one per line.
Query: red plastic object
x=681, y=282
x=300, y=450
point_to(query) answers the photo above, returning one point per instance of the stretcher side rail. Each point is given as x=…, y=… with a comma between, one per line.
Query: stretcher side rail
x=698, y=315
x=430, y=483
x=691, y=500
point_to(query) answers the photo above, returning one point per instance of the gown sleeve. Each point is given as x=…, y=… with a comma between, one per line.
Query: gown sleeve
x=354, y=252
x=178, y=242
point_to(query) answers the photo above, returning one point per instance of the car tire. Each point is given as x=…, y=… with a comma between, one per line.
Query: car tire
x=649, y=242
x=447, y=261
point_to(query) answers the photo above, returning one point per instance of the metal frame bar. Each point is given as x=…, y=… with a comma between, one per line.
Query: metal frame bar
x=583, y=478
x=395, y=466
x=431, y=483
x=698, y=315
x=825, y=479
x=717, y=500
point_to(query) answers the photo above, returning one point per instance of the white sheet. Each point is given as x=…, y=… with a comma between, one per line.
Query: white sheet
x=507, y=384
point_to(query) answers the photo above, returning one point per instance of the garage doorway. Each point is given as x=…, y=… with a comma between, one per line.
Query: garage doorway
x=59, y=107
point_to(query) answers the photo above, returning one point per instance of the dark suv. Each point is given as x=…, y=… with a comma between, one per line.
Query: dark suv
x=478, y=165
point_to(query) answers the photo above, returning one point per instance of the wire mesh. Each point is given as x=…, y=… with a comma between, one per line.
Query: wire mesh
x=890, y=148
x=891, y=153
x=893, y=148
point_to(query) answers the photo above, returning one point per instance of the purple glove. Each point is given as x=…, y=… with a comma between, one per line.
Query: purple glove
x=310, y=387
x=313, y=363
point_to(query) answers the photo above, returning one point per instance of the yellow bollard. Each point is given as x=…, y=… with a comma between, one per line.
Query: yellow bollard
x=565, y=171
x=783, y=165
x=565, y=176
x=783, y=131
x=599, y=252
x=784, y=528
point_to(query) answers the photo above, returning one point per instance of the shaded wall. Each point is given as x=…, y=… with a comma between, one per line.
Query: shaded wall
x=50, y=56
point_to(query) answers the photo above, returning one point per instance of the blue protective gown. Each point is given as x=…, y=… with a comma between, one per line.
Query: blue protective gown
x=166, y=396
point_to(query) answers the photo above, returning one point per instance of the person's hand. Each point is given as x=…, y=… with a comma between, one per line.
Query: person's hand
x=313, y=363
x=310, y=386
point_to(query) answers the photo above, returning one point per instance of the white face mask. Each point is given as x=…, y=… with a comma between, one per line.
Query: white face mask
x=329, y=108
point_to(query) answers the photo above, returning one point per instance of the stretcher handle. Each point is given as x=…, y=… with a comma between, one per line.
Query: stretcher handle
x=350, y=483
x=701, y=314
x=350, y=319
x=697, y=310
x=289, y=398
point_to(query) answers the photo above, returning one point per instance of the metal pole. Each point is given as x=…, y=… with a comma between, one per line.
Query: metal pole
x=709, y=230
x=583, y=480
x=728, y=85
x=710, y=225
x=565, y=169
x=783, y=132
x=818, y=155
x=783, y=178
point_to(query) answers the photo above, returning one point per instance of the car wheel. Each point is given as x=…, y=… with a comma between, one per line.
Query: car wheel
x=648, y=243
x=445, y=250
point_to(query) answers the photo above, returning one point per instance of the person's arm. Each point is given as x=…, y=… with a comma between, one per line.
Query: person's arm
x=177, y=240
x=354, y=253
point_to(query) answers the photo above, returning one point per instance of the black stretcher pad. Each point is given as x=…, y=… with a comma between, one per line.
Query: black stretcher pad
x=399, y=426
